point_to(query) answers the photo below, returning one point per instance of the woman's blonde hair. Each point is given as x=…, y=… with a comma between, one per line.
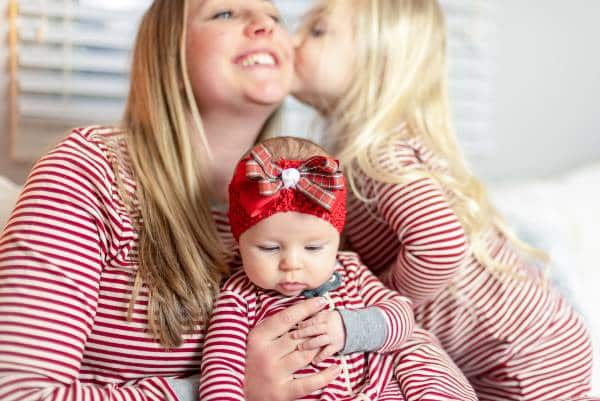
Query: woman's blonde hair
x=400, y=93
x=181, y=258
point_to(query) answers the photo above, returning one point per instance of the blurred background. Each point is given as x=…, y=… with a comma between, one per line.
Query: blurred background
x=523, y=79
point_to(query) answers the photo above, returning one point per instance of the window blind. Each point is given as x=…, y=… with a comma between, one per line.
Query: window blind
x=72, y=64
x=72, y=60
x=4, y=62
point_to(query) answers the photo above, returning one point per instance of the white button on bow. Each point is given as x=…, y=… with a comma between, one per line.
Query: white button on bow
x=290, y=177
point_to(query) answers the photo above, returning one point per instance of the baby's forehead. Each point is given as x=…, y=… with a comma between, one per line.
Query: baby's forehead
x=291, y=223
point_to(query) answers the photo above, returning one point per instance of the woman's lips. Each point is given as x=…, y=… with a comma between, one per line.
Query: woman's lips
x=258, y=58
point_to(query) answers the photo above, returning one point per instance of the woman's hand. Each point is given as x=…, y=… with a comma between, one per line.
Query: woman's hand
x=324, y=332
x=272, y=357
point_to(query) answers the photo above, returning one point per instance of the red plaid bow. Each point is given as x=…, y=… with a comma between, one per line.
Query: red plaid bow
x=318, y=176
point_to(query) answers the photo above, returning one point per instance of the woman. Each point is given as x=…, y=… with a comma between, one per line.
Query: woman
x=110, y=261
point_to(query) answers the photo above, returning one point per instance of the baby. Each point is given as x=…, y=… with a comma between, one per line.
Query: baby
x=287, y=210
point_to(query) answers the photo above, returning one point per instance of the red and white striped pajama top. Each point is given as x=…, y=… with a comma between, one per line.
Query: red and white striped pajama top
x=405, y=368
x=514, y=339
x=67, y=267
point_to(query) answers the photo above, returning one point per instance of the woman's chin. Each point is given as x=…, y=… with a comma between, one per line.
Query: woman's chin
x=267, y=95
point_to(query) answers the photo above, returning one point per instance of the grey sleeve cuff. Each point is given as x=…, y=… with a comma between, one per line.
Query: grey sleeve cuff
x=187, y=388
x=366, y=329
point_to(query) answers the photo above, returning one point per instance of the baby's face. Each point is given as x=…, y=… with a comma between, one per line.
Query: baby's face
x=290, y=252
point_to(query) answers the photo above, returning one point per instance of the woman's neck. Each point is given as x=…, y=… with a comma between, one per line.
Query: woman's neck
x=229, y=137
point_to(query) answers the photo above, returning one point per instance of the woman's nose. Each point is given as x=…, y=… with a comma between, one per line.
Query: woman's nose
x=260, y=25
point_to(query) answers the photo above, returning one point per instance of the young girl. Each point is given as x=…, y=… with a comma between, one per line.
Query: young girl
x=287, y=209
x=375, y=69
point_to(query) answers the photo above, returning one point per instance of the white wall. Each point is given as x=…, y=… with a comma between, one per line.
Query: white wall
x=546, y=89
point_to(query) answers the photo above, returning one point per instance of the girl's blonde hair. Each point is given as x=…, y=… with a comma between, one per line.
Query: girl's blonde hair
x=181, y=258
x=401, y=93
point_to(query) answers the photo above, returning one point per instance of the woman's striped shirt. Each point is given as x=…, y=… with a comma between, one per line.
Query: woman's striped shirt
x=68, y=259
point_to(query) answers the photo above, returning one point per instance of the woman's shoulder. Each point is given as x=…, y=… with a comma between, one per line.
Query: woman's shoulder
x=94, y=151
x=98, y=145
x=84, y=164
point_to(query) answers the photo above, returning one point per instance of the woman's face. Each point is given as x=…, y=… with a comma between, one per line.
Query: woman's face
x=238, y=54
x=325, y=60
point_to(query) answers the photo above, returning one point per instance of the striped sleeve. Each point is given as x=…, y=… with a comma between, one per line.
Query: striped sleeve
x=224, y=354
x=52, y=252
x=396, y=309
x=433, y=243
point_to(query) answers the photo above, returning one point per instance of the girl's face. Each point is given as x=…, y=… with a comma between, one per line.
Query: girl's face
x=325, y=56
x=238, y=53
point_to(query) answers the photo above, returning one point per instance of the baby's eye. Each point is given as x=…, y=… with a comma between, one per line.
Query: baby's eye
x=268, y=248
x=276, y=18
x=313, y=248
x=225, y=14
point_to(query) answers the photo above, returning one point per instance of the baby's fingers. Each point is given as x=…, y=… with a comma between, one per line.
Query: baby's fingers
x=310, y=331
x=315, y=342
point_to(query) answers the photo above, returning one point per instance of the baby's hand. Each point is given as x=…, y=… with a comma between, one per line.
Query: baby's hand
x=324, y=330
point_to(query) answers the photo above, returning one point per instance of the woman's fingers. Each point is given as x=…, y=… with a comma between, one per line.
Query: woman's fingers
x=298, y=359
x=284, y=345
x=309, y=331
x=283, y=321
x=315, y=342
x=300, y=387
x=319, y=318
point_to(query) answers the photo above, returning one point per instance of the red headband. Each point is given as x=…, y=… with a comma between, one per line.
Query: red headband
x=262, y=187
